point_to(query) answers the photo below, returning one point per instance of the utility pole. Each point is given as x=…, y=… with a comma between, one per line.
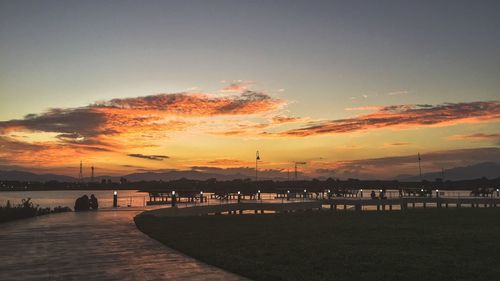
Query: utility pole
x=298, y=163
x=80, y=175
x=92, y=176
x=419, y=167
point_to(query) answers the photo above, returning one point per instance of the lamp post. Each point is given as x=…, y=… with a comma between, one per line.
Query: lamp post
x=257, y=158
x=258, y=194
x=115, y=199
x=174, y=199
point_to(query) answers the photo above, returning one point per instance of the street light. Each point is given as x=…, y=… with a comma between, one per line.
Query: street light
x=115, y=199
x=173, y=198
x=257, y=158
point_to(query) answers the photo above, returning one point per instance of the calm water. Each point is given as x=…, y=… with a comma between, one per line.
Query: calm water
x=67, y=197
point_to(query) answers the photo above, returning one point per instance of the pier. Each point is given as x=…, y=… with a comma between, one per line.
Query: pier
x=308, y=202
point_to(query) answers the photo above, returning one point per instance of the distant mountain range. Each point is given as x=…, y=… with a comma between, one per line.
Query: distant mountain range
x=28, y=176
x=487, y=169
x=14, y=175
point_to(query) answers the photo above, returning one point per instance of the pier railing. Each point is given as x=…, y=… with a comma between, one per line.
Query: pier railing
x=392, y=201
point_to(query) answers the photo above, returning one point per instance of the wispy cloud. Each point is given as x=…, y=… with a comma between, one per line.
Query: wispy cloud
x=398, y=93
x=149, y=157
x=397, y=144
x=281, y=119
x=405, y=116
x=237, y=86
x=478, y=137
x=228, y=162
x=362, y=108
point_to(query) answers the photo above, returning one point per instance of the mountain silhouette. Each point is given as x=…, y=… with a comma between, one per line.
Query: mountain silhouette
x=489, y=170
x=14, y=175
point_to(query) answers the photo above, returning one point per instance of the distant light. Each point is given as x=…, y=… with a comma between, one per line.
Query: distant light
x=422, y=190
x=361, y=190
x=328, y=190
x=498, y=190
x=115, y=193
x=381, y=190
x=173, y=192
x=305, y=191
x=201, y=192
x=258, y=191
x=437, y=190
x=288, y=191
x=239, y=193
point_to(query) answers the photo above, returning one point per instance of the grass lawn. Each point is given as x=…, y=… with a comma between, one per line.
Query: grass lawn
x=423, y=244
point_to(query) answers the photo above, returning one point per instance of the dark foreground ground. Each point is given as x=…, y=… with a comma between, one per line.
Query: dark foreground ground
x=430, y=244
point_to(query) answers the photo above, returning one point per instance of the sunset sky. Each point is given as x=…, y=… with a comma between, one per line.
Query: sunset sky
x=353, y=88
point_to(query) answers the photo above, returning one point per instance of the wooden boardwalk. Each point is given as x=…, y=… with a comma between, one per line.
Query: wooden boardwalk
x=335, y=203
x=412, y=202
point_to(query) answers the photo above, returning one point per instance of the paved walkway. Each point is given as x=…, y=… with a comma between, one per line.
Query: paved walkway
x=93, y=246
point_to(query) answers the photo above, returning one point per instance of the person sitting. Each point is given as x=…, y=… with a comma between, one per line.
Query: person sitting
x=94, y=204
x=82, y=203
x=373, y=195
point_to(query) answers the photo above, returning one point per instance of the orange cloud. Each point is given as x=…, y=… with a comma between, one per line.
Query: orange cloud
x=396, y=144
x=280, y=119
x=228, y=162
x=237, y=86
x=476, y=137
x=364, y=108
x=406, y=116
x=196, y=104
x=119, y=124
